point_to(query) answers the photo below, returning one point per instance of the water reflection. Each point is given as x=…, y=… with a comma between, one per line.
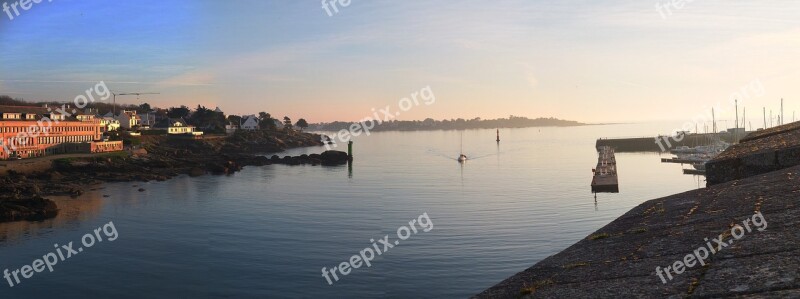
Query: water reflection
x=72, y=212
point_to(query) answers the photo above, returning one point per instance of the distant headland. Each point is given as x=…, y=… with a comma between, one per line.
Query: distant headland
x=453, y=124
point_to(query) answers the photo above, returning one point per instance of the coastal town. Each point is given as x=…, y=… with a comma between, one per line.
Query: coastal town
x=303, y=149
x=61, y=150
x=47, y=130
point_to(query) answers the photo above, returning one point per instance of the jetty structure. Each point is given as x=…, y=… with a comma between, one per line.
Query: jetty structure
x=605, y=174
x=759, y=152
x=758, y=176
x=667, y=143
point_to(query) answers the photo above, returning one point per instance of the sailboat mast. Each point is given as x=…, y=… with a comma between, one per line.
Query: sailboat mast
x=462, y=143
x=744, y=118
x=736, y=130
x=714, y=120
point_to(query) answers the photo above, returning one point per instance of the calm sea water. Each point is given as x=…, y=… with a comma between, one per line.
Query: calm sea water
x=266, y=232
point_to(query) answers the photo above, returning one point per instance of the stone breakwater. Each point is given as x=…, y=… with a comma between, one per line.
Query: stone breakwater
x=619, y=260
x=159, y=158
x=759, y=152
x=759, y=175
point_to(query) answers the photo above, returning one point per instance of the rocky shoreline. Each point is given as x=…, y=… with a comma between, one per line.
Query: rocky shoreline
x=158, y=158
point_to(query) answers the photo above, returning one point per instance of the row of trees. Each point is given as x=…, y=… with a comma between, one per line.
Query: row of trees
x=208, y=119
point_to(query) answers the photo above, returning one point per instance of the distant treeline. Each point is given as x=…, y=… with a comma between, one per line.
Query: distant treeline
x=453, y=124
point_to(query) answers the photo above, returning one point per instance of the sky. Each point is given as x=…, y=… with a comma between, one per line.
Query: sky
x=590, y=61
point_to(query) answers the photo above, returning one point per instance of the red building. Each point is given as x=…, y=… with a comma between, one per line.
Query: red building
x=38, y=131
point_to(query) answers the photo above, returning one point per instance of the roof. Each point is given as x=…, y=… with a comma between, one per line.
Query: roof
x=41, y=111
x=23, y=109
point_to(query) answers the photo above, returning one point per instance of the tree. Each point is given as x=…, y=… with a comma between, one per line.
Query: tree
x=207, y=119
x=7, y=100
x=265, y=121
x=287, y=122
x=178, y=112
x=302, y=124
x=235, y=119
x=144, y=108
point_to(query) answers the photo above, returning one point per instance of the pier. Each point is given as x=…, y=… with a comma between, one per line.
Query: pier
x=620, y=259
x=682, y=161
x=605, y=174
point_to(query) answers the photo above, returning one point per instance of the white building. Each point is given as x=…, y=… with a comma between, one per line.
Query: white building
x=278, y=123
x=250, y=124
x=109, y=123
x=128, y=119
x=231, y=128
x=148, y=119
x=177, y=126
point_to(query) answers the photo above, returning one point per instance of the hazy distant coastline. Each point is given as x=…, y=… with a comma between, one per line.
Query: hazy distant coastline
x=453, y=124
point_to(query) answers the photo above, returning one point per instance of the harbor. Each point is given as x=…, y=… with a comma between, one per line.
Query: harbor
x=757, y=175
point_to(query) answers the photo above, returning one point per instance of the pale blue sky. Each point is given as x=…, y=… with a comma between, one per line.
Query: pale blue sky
x=594, y=61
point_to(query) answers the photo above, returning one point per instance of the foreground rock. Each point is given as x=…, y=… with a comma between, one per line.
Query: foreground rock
x=619, y=260
x=33, y=208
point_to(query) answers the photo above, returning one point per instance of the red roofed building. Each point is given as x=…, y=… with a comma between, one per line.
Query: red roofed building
x=27, y=131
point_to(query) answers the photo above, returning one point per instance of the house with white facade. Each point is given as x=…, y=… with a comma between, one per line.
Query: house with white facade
x=108, y=123
x=177, y=126
x=128, y=119
x=250, y=123
x=231, y=128
x=148, y=119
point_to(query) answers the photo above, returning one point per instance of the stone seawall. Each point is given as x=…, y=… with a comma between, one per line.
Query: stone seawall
x=620, y=259
x=760, y=152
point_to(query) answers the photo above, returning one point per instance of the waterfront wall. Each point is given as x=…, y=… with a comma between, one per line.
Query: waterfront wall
x=620, y=259
x=648, y=144
x=760, y=152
